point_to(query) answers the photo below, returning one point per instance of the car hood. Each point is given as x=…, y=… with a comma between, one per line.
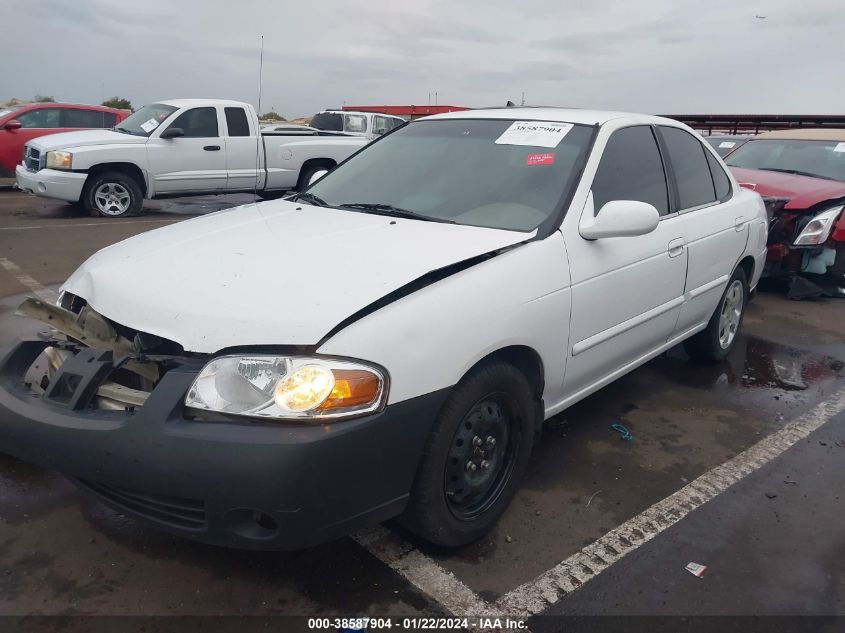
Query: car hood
x=84, y=138
x=802, y=192
x=273, y=273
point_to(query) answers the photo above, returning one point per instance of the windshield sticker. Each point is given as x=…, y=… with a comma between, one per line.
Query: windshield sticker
x=727, y=144
x=840, y=147
x=540, y=159
x=535, y=133
x=149, y=126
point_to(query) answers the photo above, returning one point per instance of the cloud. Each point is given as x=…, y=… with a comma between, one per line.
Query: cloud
x=653, y=55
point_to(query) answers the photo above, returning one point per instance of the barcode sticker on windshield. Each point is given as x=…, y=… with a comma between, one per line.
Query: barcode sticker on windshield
x=840, y=147
x=534, y=133
x=149, y=126
x=727, y=144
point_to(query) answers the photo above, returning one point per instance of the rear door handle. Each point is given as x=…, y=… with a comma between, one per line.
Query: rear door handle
x=211, y=148
x=739, y=223
x=676, y=247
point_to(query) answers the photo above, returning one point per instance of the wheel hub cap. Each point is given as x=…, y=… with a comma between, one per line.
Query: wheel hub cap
x=730, y=314
x=112, y=198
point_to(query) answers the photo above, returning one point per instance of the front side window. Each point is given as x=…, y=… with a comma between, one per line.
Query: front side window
x=198, y=123
x=74, y=117
x=689, y=164
x=818, y=159
x=236, y=122
x=145, y=121
x=631, y=169
x=41, y=118
x=454, y=170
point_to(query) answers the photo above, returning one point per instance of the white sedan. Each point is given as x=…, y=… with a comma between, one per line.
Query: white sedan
x=388, y=342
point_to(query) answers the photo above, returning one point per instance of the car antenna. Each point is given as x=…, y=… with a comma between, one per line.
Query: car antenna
x=258, y=122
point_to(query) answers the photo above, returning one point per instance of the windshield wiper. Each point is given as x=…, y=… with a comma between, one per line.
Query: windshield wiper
x=389, y=209
x=797, y=172
x=122, y=129
x=310, y=198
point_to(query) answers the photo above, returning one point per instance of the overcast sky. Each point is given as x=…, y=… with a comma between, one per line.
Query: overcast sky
x=657, y=56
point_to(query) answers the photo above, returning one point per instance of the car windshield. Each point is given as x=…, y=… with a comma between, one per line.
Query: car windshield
x=7, y=111
x=146, y=120
x=820, y=159
x=329, y=121
x=466, y=171
x=724, y=145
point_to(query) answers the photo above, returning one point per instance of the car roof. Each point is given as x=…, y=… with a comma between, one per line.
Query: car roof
x=807, y=134
x=563, y=115
x=184, y=103
x=52, y=104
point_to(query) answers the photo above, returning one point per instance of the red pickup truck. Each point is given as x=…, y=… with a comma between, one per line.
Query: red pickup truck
x=801, y=175
x=19, y=124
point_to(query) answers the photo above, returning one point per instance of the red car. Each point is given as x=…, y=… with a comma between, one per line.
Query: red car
x=19, y=124
x=801, y=175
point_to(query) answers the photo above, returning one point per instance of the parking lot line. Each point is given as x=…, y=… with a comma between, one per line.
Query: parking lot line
x=569, y=575
x=533, y=597
x=37, y=288
x=424, y=573
x=75, y=224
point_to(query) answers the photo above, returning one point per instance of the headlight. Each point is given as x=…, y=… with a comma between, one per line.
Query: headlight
x=818, y=229
x=283, y=387
x=59, y=160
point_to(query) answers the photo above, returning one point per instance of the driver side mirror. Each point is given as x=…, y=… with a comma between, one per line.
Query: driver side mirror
x=14, y=124
x=316, y=176
x=172, y=132
x=620, y=218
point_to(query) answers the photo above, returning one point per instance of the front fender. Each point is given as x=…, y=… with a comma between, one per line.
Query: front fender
x=429, y=339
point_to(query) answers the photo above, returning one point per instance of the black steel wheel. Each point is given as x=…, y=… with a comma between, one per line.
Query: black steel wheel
x=475, y=457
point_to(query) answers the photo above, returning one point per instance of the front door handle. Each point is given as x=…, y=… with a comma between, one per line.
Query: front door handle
x=676, y=247
x=211, y=148
x=739, y=223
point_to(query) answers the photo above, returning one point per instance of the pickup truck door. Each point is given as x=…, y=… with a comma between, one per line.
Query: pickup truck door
x=715, y=224
x=626, y=291
x=244, y=150
x=191, y=163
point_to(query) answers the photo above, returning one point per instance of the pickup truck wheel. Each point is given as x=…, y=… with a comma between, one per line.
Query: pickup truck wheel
x=475, y=457
x=717, y=340
x=112, y=194
x=307, y=174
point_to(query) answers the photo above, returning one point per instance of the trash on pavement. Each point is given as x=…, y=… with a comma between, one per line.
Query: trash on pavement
x=624, y=434
x=696, y=569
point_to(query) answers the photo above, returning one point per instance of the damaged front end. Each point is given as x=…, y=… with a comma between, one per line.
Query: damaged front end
x=88, y=361
x=808, y=247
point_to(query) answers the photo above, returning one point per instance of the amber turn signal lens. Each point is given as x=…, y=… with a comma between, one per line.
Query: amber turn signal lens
x=352, y=388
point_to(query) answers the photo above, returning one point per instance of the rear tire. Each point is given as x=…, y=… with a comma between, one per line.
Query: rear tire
x=475, y=457
x=717, y=340
x=306, y=175
x=112, y=194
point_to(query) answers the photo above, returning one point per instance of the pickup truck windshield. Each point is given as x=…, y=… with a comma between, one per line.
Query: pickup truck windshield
x=820, y=159
x=453, y=170
x=146, y=120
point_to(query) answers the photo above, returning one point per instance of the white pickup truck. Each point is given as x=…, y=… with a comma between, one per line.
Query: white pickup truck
x=176, y=148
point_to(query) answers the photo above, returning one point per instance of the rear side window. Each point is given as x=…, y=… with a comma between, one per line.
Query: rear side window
x=631, y=169
x=198, y=123
x=689, y=164
x=237, y=122
x=720, y=179
x=87, y=118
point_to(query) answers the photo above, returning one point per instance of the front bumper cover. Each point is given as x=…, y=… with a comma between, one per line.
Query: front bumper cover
x=249, y=485
x=51, y=183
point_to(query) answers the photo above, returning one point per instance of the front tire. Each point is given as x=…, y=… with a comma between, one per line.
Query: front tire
x=112, y=194
x=717, y=340
x=475, y=457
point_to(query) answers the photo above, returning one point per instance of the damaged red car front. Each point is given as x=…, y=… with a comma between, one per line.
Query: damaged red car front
x=801, y=176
